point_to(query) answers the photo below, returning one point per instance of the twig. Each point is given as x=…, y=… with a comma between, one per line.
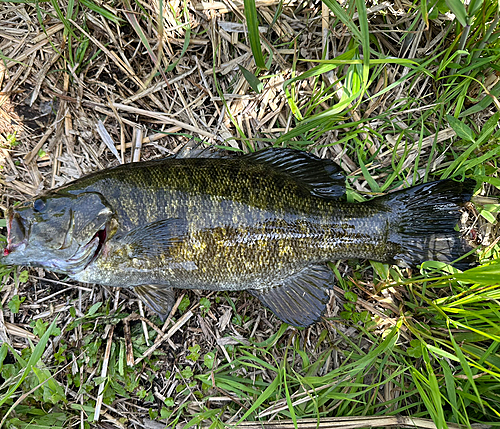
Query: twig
x=129, y=351
x=143, y=323
x=104, y=373
x=106, y=138
x=171, y=332
x=162, y=118
x=350, y=423
x=138, y=144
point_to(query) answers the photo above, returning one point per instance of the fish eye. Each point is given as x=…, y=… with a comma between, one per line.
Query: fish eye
x=38, y=205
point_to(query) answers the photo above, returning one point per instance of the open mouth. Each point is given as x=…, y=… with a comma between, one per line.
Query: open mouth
x=84, y=256
x=101, y=238
x=16, y=232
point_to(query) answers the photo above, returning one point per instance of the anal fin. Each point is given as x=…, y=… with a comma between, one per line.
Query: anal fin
x=300, y=299
x=159, y=298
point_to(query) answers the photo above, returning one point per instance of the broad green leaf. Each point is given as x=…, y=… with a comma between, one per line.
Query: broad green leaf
x=488, y=216
x=94, y=308
x=54, y=392
x=495, y=181
x=484, y=274
x=381, y=269
x=458, y=9
x=443, y=353
x=353, y=81
x=15, y=303
x=474, y=6
x=462, y=129
x=252, y=80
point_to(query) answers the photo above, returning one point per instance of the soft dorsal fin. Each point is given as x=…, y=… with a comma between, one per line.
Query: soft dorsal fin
x=300, y=299
x=322, y=177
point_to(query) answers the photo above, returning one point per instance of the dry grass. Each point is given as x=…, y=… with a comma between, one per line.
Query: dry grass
x=86, y=93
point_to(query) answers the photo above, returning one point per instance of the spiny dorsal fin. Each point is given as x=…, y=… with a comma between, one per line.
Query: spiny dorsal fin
x=322, y=177
x=300, y=299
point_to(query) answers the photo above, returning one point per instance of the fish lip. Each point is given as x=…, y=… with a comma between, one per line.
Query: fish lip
x=19, y=227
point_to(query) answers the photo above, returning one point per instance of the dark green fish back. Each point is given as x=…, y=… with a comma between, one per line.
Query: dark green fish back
x=200, y=187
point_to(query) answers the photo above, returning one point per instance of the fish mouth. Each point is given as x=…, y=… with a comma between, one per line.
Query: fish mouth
x=99, y=237
x=17, y=241
x=83, y=257
x=16, y=232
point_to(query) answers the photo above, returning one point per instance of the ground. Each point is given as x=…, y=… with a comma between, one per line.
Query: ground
x=395, y=93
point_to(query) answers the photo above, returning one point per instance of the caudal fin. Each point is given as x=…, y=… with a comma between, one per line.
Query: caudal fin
x=423, y=223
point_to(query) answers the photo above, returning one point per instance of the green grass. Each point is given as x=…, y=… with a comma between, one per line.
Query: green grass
x=430, y=350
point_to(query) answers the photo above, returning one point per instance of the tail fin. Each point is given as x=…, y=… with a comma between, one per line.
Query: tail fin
x=423, y=223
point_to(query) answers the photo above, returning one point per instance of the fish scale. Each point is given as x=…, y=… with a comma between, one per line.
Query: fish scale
x=264, y=222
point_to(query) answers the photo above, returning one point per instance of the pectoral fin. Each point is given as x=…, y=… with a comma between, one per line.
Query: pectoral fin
x=154, y=238
x=159, y=298
x=300, y=299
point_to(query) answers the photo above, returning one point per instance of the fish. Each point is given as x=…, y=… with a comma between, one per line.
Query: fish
x=265, y=222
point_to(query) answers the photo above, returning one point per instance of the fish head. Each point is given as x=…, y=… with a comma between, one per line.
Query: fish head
x=59, y=231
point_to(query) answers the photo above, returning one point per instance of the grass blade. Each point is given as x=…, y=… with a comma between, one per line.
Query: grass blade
x=253, y=32
x=466, y=368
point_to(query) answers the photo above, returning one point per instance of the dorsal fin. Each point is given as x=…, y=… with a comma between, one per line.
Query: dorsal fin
x=322, y=177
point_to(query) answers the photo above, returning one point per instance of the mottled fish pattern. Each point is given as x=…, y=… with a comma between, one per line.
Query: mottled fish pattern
x=264, y=222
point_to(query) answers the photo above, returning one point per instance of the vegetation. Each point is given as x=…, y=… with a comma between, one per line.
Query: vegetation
x=396, y=92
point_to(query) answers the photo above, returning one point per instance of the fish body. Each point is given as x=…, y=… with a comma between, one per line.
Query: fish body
x=264, y=222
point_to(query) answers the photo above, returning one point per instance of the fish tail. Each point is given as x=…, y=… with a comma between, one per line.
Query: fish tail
x=423, y=223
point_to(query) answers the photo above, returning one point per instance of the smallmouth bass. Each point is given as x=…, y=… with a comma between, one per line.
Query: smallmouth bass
x=264, y=222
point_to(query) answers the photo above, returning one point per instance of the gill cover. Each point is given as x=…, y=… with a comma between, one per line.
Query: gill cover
x=60, y=231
